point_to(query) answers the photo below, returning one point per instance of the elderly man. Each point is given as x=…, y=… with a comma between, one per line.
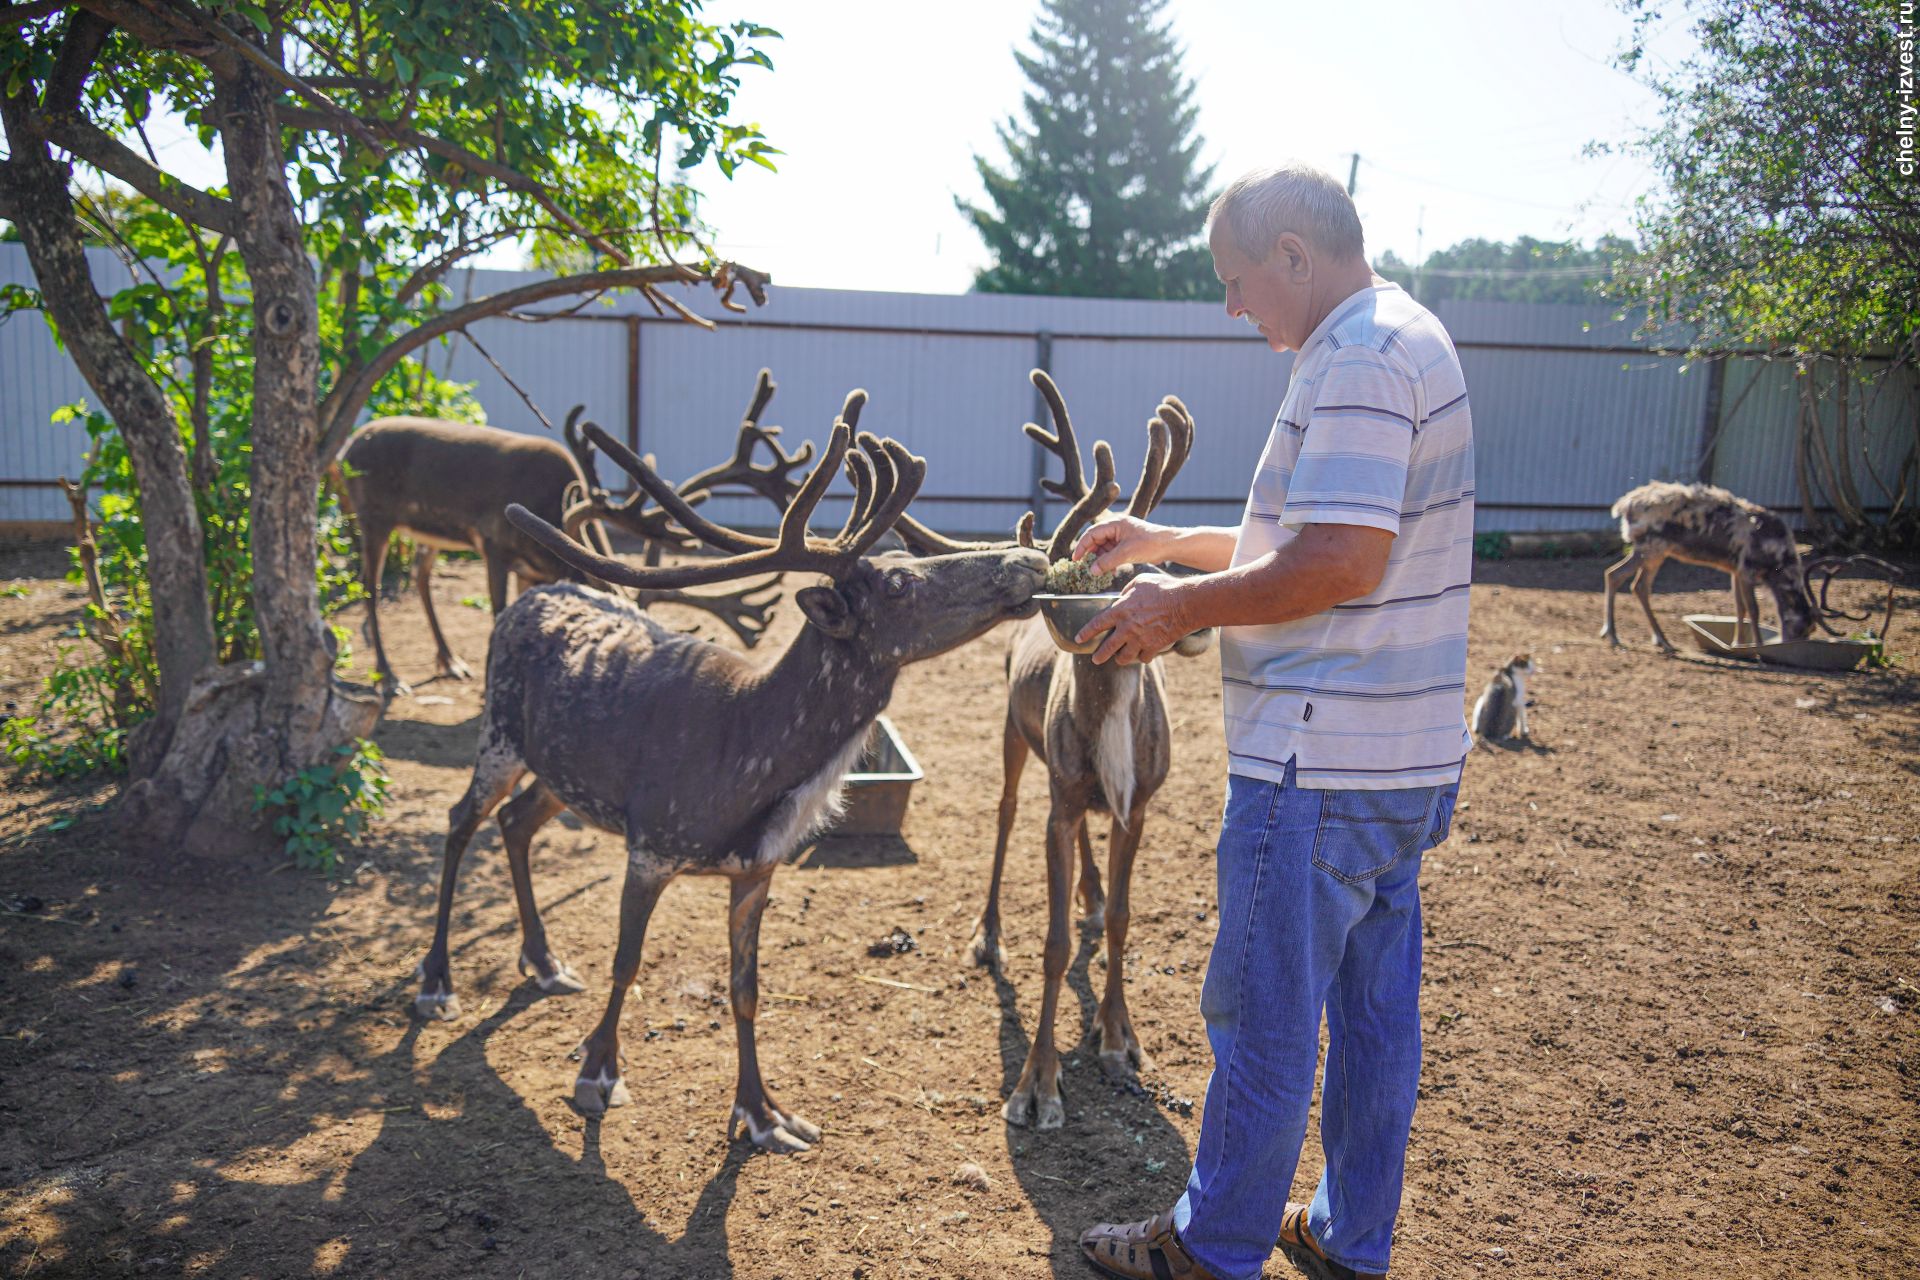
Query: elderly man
x=1343, y=601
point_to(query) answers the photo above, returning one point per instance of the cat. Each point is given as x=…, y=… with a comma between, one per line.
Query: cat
x=1501, y=712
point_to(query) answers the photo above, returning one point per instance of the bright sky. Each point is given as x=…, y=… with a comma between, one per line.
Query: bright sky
x=1470, y=120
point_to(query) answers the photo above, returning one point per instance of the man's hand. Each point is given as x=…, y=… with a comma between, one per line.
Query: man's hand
x=1147, y=620
x=1120, y=542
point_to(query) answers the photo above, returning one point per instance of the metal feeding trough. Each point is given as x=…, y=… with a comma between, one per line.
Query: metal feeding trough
x=879, y=786
x=1715, y=634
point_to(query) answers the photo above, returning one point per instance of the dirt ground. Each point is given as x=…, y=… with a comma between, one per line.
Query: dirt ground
x=1670, y=1015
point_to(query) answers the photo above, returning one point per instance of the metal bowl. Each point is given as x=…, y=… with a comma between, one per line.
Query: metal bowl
x=1066, y=614
x=1715, y=634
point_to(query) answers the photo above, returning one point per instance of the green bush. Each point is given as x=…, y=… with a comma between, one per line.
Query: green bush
x=319, y=809
x=1492, y=546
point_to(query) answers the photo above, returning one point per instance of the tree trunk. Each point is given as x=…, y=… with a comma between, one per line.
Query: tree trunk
x=1806, y=422
x=255, y=724
x=176, y=569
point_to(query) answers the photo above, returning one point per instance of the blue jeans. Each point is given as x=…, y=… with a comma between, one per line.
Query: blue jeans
x=1319, y=909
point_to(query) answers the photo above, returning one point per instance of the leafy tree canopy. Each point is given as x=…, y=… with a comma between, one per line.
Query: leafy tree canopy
x=1527, y=270
x=1786, y=223
x=1103, y=193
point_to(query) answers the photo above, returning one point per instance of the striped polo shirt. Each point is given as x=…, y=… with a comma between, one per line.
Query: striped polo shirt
x=1374, y=431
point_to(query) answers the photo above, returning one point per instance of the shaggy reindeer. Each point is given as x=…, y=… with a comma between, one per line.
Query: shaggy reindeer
x=1103, y=733
x=447, y=485
x=1704, y=525
x=708, y=765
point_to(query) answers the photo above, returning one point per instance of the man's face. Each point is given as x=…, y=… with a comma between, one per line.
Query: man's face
x=1276, y=295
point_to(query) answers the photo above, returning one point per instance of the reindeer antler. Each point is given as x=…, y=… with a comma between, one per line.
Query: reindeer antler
x=1087, y=501
x=580, y=509
x=774, y=481
x=896, y=476
x=1827, y=567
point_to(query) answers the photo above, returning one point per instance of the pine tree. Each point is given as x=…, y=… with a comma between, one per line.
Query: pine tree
x=1103, y=194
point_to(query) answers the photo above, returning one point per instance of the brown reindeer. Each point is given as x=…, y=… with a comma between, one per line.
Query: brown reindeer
x=447, y=485
x=1704, y=525
x=705, y=763
x=1103, y=733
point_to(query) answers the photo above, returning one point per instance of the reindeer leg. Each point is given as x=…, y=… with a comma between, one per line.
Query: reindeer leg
x=1643, y=591
x=1616, y=576
x=984, y=948
x=1746, y=628
x=497, y=568
x=498, y=768
x=1036, y=1098
x=373, y=557
x=443, y=657
x=768, y=1124
x=1093, y=902
x=524, y=815
x=599, y=1085
x=1113, y=1028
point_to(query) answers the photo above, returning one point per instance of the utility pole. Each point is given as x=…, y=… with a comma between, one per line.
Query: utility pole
x=1419, y=250
x=1353, y=173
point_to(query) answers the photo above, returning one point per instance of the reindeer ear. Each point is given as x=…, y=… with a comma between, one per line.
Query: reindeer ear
x=827, y=609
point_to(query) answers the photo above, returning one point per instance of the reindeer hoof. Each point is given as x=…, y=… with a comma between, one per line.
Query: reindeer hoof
x=1029, y=1107
x=563, y=981
x=436, y=1006
x=593, y=1095
x=777, y=1131
x=452, y=666
x=436, y=1001
x=986, y=952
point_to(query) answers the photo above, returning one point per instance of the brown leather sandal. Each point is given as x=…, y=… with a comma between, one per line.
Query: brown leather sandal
x=1149, y=1250
x=1304, y=1252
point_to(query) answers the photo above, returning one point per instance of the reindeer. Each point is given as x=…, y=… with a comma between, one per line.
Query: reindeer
x=705, y=763
x=446, y=486
x=1704, y=525
x=1103, y=732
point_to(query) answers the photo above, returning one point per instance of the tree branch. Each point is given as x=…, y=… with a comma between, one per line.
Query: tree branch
x=337, y=119
x=164, y=27
x=111, y=156
x=85, y=34
x=344, y=402
x=15, y=16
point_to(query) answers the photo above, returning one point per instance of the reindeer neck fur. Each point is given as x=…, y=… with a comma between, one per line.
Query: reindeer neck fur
x=816, y=695
x=1117, y=716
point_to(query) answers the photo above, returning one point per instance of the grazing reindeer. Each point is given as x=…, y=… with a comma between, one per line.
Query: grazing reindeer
x=446, y=485
x=1704, y=525
x=708, y=765
x=1103, y=732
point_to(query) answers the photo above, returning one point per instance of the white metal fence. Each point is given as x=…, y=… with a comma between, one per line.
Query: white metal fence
x=1569, y=409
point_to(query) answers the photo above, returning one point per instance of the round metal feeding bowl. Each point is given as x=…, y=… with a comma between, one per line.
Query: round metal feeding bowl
x=1715, y=634
x=1066, y=614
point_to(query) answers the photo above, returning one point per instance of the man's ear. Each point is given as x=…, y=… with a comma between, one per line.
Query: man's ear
x=827, y=609
x=1295, y=257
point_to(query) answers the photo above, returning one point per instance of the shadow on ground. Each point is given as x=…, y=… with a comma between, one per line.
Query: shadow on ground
x=129, y=1025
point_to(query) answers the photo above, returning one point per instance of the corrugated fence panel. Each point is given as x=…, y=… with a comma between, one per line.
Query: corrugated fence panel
x=1558, y=435
x=36, y=378
x=1760, y=410
x=559, y=364
x=1570, y=409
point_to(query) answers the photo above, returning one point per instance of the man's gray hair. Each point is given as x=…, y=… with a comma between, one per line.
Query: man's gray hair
x=1261, y=205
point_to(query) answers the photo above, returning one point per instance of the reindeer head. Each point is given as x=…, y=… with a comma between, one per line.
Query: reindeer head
x=893, y=608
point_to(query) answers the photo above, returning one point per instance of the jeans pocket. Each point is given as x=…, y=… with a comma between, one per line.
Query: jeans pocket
x=1443, y=815
x=1363, y=833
